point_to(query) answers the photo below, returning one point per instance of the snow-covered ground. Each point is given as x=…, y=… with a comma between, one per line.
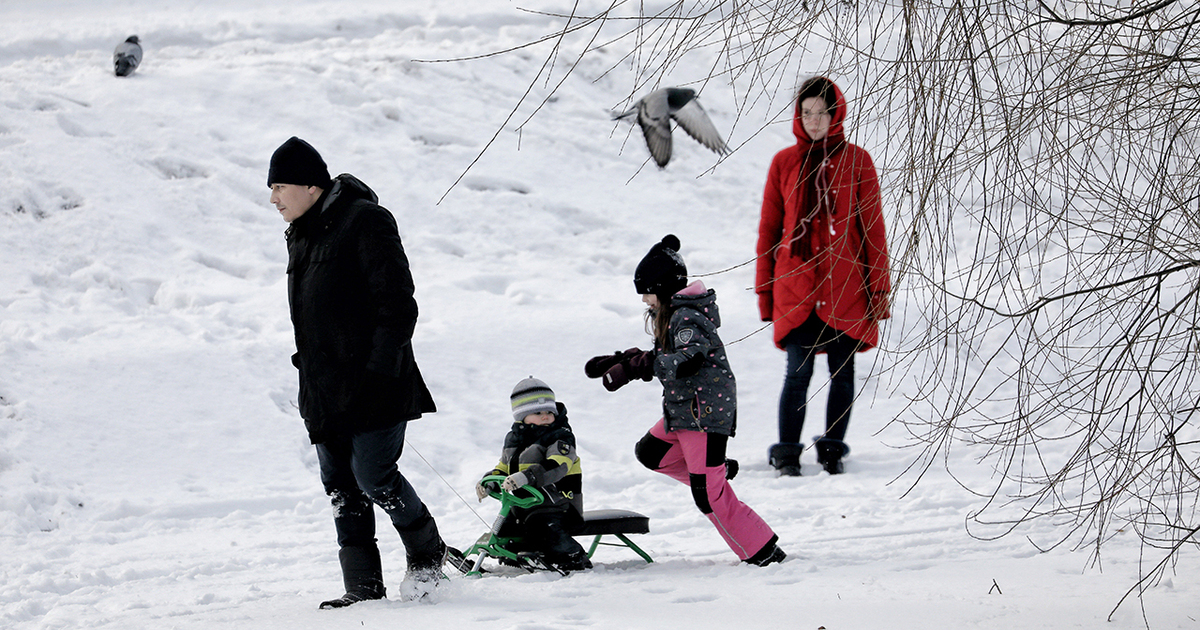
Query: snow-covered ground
x=154, y=472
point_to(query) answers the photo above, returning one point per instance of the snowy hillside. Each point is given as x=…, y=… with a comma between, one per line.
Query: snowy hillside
x=154, y=472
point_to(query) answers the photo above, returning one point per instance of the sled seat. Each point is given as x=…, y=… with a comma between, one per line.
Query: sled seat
x=617, y=523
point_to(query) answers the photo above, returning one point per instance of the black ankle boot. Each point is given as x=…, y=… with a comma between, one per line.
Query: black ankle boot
x=785, y=458
x=426, y=553
x=830, y=453
x=769, y=554
x=362, y=575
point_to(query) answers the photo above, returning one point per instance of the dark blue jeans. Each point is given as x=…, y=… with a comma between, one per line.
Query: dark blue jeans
x=360, y=469
x=802, y=346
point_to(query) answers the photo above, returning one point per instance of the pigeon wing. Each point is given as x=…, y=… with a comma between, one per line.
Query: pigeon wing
x=657, y=130
x=692, y=119
x=129, y=50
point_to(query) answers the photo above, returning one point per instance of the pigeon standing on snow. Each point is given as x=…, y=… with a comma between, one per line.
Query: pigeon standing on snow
x=127, y=56
x=655, y=111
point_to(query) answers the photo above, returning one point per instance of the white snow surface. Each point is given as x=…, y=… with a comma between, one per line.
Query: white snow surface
x=154, y=472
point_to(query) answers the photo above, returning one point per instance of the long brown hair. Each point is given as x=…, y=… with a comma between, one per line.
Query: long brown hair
x=657, y=321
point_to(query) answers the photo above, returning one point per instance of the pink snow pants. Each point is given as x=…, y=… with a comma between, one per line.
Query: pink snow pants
x=689, y=459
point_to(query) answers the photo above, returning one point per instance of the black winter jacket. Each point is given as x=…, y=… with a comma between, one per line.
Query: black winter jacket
x=351, y=297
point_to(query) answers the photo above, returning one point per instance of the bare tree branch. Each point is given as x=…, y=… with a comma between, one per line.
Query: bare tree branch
x=1041, y=162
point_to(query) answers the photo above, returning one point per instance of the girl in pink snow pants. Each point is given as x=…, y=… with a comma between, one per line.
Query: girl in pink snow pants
x=699, y=397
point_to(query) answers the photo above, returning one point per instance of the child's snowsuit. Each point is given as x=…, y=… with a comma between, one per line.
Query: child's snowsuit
x=546, y=454
x=699, y=416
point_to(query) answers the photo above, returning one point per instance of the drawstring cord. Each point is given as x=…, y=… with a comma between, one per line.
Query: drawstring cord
x=470, y=507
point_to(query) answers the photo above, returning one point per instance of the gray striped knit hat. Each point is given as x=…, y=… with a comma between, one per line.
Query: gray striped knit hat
x=532, y=395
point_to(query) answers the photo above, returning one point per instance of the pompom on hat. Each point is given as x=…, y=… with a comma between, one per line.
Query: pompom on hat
x=297, y=162
x=532, y=395
x=662, y=271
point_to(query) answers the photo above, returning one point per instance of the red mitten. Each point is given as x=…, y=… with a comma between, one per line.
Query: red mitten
x=597, y=366
x=641, y=365
x=616, y=377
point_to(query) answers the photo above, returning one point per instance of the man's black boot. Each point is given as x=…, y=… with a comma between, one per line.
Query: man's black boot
x=362, y=575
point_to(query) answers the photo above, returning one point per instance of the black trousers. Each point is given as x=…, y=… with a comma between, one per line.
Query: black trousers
x=803, y=345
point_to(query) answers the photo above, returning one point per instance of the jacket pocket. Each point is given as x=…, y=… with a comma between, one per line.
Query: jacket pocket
x=679, y=405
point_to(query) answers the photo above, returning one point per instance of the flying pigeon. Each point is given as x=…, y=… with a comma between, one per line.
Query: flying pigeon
x=127, y=56
x=655, y=111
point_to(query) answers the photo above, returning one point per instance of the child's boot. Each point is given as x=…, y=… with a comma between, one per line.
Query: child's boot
x=577, y=561
x=562, y=552
x=769, y=554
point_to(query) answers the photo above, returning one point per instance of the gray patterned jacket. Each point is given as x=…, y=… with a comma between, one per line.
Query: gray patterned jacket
x=699, y=391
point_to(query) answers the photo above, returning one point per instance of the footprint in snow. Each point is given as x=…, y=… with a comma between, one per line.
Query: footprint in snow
x=492, y=283
x=176, y=168
x=495, y=184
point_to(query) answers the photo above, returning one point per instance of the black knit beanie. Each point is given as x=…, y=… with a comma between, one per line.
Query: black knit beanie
x=297, y=162
x=662, y=271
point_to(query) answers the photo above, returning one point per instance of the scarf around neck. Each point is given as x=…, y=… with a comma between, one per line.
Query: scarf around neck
x=813, y=188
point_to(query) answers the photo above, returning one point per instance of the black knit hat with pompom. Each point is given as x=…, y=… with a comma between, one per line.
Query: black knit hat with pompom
x=662, y=271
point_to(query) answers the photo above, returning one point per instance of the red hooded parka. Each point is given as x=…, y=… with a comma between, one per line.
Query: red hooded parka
x=841, y=270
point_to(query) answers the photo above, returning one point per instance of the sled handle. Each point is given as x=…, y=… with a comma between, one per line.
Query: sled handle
x=509, y=499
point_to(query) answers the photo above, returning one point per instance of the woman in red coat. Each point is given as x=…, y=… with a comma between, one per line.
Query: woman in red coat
x=822, y=268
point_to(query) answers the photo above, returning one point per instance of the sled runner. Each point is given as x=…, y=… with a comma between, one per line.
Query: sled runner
x=596, y=523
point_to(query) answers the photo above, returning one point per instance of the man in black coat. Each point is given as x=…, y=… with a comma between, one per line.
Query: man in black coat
x=351, y=297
